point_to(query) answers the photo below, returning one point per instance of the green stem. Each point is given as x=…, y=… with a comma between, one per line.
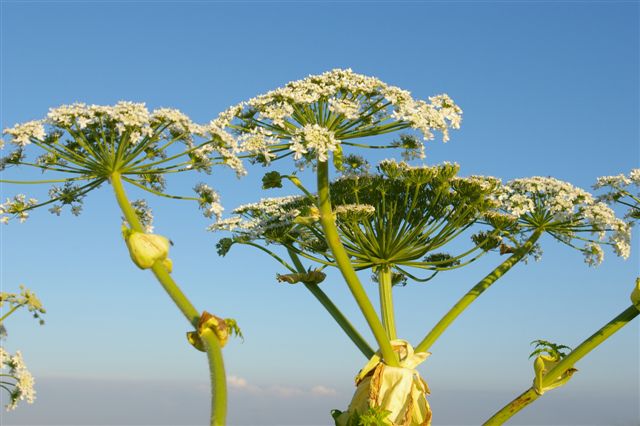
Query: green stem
x=386, y=301
x=12, y=310
x=333, y=310
x=530, y=395
x=346, y=268
x=217, y=377
x=476, y=291
x=212, y=344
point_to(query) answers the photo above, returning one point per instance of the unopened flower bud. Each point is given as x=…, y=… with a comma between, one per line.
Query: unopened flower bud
x=146, y=249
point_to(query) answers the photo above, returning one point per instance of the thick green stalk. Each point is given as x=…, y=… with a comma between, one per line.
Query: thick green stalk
x=212, y=344
x=476, y=291
x=346, y=268
x=333, y=310
x=386, y=301
x=530, y=395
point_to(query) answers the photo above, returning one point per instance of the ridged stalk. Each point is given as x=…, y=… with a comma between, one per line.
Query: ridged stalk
x=385, y=287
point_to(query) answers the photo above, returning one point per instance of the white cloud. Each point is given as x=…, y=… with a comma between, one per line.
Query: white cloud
x=236, y=382
x=241, y=384
x=320, y=390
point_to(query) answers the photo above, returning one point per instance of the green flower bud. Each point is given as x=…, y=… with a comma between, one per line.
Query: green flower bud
x=146, y=249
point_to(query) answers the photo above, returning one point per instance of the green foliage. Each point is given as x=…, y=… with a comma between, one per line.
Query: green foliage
x=272, y=180
x=374, y=416
x=552, y=349
x=223, y=246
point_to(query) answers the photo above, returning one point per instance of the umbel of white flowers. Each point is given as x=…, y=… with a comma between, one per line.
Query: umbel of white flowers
x=311, y=117
x=83, y=145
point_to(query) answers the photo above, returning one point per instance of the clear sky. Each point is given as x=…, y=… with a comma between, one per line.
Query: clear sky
x=547, y=89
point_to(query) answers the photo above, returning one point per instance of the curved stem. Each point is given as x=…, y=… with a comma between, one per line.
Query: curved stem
x=476, y=291
x=333, y=310
x=216, y=365
x=530, y=395
x=346, y=268
x=386, y=301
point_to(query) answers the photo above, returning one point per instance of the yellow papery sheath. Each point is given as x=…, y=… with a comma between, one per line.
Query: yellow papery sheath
x=209, y=321
x=541, y=365
x=398, y=390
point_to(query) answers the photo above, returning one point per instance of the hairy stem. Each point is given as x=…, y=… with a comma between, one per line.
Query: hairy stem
x=530, y=395
x=346, y=268
x=212, y=344
x=475, y=292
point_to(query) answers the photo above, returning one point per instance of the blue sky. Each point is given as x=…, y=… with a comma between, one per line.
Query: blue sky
x=547, y=88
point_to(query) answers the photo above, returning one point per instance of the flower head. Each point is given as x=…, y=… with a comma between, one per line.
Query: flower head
x=569, y=214
x=17, y=380
x=84, y=145
x=320, y=113
x=619, y=191
x=402, y=216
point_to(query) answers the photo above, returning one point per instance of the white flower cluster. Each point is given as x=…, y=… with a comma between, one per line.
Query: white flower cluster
x=354, y=212
x=126, y=116
x=350, y=108
x=144, y=213
x=21, y=134
x=315, y=137
x=16, y=207
x=619, y=191
x=564, y=210
x=359, y=103
x=209, y=201
x=136, y=122
x=618, y=181
x=13, y=367
x=254, y=219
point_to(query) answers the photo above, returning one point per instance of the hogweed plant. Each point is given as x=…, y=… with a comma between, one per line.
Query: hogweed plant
x=405, y=224
x=82, y=147
x=15, y=378
x=395, y=222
